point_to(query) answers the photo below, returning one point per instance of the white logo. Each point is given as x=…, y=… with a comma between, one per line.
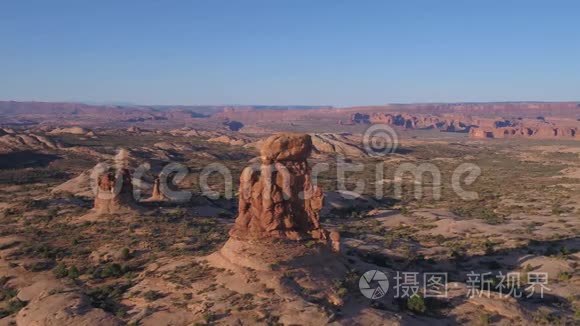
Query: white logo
x=380, y=140
x=378, y=291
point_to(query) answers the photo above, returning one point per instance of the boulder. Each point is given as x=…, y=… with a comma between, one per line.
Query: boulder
x=286, y=147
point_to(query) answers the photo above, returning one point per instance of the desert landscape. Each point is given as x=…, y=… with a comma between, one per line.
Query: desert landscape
x=272, y=215
x=289, y=163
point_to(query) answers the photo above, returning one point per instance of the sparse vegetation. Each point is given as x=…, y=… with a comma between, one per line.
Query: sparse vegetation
x=108, y=259
x=152, y=295
x=416, y=303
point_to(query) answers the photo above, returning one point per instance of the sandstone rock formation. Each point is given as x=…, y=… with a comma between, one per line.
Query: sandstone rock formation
x=114, y=189
x=11, y=141
x=114, y=192
x=134, y=129
x=451, y=123
x=226, y=139
x=333, y=144
x=69, y=130
x=329, y=144
x=541, y=130
x=157, y=194
x=78, y=186
x=278, y=199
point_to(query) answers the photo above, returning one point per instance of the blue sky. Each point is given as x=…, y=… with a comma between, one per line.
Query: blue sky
x=289, y=51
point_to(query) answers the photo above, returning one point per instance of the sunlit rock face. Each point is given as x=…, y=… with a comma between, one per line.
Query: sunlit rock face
x=277, y=198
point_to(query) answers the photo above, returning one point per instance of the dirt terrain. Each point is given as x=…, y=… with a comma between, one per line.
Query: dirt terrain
x=202, y=251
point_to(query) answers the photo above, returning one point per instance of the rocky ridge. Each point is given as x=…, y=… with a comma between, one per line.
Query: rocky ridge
x=11, y=141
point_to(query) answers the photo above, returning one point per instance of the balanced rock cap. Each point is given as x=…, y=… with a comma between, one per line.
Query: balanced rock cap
x=286, y=147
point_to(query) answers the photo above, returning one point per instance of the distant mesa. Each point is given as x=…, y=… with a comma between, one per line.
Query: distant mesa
x=360, y=118
x=539, y=129
x=480, y=128
x=415, y=121
x=134, y=129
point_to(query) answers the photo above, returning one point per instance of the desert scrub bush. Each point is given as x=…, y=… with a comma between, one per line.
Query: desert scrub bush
x=152, y=295
x=558, y=209
x=545, y=317
x=484, y=319
x=7, y=293
x=110, y=270
x=106, y=297
x=310, y=244
x=565, y=252
x=564, y=276
x=346, y=213
x=41, y=250
x=405, y=211
x=489, y=247
x=346, y=284
x=13, y=306
x=60, y=271
x=208, y=317
x=479, y=212
x=125, y=254
x=457, y=249
x=416, y=303
x=73, y=272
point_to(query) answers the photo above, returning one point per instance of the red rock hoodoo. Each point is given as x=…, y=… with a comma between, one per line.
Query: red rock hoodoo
x=157, y=194
x=114, y=192
x=278, y=199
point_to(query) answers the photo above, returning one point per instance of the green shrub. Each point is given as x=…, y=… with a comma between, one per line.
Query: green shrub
x=125, y=254
x=107, y=297
x=73, y=272
x=12, y=307
x=416, y=303
x=60, y=271
x=484, y=319
x=152, y=295
x=564, y=276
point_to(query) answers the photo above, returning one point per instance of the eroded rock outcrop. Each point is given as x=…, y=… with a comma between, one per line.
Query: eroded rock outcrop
x=157, y=194
x=277, y=197
x=329, y=144
x=10, y=142
x=230, y=140
x=69, y=130
x=341, y=144
x=114, y=192
x=415, y=121
x=540, y=131
x=114, y=188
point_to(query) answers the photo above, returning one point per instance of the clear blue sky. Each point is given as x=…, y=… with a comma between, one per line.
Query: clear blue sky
x=289, y=51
